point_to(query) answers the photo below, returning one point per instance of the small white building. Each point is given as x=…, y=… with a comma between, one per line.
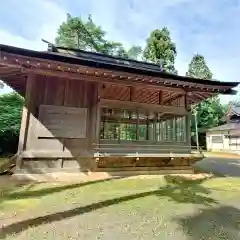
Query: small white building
x=227, y=136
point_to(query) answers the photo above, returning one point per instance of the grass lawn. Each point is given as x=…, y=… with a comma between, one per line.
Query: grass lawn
x=3, y=160
x=154, y=208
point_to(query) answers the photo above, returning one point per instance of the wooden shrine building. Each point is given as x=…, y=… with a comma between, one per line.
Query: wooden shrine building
x=89, y=112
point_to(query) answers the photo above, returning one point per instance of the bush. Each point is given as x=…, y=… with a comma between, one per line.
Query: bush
x=11, y=105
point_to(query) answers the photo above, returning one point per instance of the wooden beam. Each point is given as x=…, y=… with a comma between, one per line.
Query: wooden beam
x=160, y=97
x=200, y=96
x=102, y=79
x=131, y=93
x=135, y=105
x=172, y=98
x=26, y=62
x=49, y=154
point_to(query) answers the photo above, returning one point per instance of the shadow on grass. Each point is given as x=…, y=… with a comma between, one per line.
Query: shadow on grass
x=9, y=194
x=222, y=222
x=177, y=189
x=182, y=190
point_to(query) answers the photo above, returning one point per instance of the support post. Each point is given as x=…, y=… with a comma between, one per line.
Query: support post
x=187, y=122
x=155, y=128
x=137, y=126
x=26, y=113
x=98, y=121
x=196, y=129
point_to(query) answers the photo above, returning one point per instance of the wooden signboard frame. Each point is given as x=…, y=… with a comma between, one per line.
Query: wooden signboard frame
x=62, y=122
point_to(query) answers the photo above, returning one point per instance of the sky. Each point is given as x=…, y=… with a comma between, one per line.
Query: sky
x=208, y=27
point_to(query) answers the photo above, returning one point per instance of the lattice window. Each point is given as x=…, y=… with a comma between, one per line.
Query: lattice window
x=217, y=139
x=180, y=129
x=117, y=124
x=128, y=131
x=234, y=140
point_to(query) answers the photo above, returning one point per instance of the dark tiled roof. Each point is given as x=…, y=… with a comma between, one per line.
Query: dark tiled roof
x=235, y=110
x=226, y=127
x=91, y=59
x=234, y=133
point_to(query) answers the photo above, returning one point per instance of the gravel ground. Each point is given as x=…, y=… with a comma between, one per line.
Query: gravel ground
x=220, y=166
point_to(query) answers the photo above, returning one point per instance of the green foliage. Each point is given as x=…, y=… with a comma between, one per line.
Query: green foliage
x=210, y=111
x=135, y=52
x=86, y=35
x=10, y=119
x=198, y=68
x=161, y=50
x=77, y=33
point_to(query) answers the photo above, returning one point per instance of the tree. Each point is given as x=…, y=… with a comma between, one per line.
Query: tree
x=86, y=35
x=135, y=52
x=161, y=50
x=77, y=33
x=210, y=111
x=10, y=119
x=235, y=102
x=198, y=68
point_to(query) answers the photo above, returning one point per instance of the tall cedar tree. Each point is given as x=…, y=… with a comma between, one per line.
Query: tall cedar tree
x=210, y=111
x=161, y=50
x=86, y=35
x=198, y=68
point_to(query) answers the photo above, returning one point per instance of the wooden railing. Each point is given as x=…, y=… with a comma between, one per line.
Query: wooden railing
x=150, y=157
x=144, y=150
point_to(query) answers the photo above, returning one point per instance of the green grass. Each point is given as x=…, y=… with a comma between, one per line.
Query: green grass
x=157, y=208
x=3, y=160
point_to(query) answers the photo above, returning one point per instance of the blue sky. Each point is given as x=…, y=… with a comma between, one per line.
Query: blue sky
x=207, y=27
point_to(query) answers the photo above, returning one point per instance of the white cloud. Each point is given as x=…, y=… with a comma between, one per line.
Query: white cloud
x=46, y=29
x=50, y=13
x=206, y=27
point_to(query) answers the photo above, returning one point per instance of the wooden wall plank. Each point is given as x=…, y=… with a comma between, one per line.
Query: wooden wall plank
x=59, y=94
x=62, y=122
x=41, y=88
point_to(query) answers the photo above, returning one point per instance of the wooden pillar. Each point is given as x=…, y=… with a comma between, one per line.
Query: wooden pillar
x=94, y=117
x=28, y=110
x=155, y=127
x=137, y=126
x=187, y=122
x=98, y=115
x=147, y=126
x=174, y=128
x=98, y=121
